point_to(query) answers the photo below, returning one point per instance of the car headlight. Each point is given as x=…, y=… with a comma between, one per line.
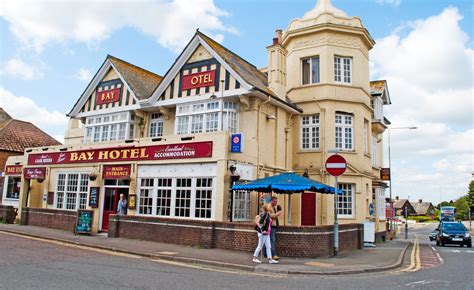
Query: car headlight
x=445, y=235
x=466, y=235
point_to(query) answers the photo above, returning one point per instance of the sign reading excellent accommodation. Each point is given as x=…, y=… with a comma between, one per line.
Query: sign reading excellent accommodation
x=157, y=152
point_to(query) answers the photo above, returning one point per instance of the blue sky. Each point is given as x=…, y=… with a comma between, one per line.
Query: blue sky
x=48, y=54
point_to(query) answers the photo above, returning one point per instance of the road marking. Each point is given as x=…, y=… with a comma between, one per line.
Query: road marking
x=413, y=258
x=157, y=260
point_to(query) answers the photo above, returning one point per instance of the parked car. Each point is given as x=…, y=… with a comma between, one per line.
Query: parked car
x=433, y=235
x=453, y=233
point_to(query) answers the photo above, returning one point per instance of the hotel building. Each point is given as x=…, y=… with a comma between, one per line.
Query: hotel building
x=173, y=144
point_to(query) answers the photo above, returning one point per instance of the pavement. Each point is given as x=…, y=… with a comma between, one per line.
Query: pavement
x=385, y=256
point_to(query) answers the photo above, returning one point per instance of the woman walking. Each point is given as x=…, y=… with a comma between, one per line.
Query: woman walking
x=263, y=228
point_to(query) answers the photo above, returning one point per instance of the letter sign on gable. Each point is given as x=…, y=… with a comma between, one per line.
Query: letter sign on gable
x=108, y=96
x=198, y=80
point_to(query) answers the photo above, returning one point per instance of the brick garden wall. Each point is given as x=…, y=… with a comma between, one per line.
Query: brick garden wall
x=291, y=241
x=49, y=218
x=7, y=214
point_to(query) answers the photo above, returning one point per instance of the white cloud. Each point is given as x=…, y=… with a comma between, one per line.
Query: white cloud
x=23, y=108
x=83, y=74
x=429, y=67
x=171, y=23
x=391, y=2
x=19, y=69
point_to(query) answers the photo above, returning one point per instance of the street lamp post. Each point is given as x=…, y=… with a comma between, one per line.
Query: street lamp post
x=391, y=175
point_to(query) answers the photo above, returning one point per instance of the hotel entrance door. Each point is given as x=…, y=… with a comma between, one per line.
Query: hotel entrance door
x=111, y=198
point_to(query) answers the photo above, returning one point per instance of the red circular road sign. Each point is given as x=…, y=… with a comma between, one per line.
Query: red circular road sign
x=336, y=165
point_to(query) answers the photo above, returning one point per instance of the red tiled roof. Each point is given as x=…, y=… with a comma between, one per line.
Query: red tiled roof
x=17, y=135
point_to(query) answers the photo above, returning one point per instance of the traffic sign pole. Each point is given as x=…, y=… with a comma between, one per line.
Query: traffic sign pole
x=336, y=223
x=336, y=165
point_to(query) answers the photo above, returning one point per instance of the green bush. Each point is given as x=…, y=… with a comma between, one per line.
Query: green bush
x=422, y=219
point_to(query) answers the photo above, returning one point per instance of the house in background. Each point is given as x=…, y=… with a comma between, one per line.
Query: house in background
x=401, y=204
x=423, y=208
x=15, y=137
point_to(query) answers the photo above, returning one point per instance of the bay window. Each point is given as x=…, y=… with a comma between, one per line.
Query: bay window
x=209, y=116
x=111, y=127
x=187, y=197
x=71, y=191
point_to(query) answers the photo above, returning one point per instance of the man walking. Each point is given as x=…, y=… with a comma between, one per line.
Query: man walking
x=275, y=212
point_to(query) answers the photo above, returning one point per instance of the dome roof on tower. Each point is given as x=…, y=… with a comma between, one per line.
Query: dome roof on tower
x=324, y=7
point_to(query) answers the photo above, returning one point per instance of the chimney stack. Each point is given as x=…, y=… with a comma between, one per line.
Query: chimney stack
x=420, y=200
x=396, y=197
x=277, y=65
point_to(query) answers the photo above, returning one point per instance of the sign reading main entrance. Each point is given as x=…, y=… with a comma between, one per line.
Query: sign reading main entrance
x=198, y=80
x=117, y=154
x=116, y=171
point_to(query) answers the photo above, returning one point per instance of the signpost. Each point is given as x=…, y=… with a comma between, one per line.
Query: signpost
x=336, y=165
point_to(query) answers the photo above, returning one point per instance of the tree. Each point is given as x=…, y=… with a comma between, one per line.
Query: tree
x=471, y=196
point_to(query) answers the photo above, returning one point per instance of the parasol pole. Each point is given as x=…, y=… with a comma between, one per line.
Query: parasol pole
x=289, y=209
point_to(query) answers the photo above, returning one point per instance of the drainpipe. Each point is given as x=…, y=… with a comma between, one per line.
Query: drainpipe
x=258, y=134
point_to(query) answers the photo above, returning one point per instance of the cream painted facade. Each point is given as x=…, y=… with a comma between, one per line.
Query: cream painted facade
x=268, y=113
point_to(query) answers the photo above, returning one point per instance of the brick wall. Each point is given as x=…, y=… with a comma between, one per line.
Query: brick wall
x=49, y=218
x=7, y=214
x=291, y=241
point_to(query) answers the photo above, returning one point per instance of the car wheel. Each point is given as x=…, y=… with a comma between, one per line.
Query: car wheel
x=461, y=245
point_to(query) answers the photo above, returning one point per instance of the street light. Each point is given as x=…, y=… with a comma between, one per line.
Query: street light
x=391, y=175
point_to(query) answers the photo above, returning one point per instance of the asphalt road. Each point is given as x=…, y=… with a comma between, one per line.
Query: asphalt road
x=28, y=263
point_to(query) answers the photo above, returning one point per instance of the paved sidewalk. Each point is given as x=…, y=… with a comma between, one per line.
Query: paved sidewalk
x=384, y=257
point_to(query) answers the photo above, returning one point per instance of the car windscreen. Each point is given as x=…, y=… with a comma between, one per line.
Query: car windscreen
x=454, y=226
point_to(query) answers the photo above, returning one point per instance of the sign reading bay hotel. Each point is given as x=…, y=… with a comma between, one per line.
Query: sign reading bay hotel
x=157, y=152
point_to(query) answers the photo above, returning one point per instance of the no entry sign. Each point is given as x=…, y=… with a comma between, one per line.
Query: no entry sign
x=336, y=165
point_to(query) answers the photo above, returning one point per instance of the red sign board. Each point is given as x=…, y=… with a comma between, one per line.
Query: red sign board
x=197, y=80
x=385, y=173
x=116, y=171
x=108, y=96
x=35, y=173
x=336, y=165
x=118, y=154
x=13, y=170
x=388, y=211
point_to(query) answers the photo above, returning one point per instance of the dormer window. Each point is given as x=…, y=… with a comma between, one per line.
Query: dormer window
x=342, y=69
x=310, y=70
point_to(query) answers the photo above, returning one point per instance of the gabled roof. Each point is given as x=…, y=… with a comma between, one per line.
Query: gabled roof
x=399, y=203
x=17, y=135
x=250, y=73
x=422, y=208
x=247, y=74
x=141, y=81
x=380, y=88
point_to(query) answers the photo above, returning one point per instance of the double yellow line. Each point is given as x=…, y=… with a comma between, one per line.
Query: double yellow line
x=415, y=261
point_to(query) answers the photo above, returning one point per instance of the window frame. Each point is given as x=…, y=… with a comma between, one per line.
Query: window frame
x=341, y=67
x=343, y=126
x=227, y=117
x=94, y=127
x=81, y=176
x=316, y=127
x=173, y=202
x=157, y=120
x=310, y=77
x=7, y=184
x=245, y=201
x=352, y=202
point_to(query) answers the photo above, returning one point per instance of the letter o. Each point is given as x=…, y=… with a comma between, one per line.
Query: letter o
x=194, y=80
x=114, y=154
